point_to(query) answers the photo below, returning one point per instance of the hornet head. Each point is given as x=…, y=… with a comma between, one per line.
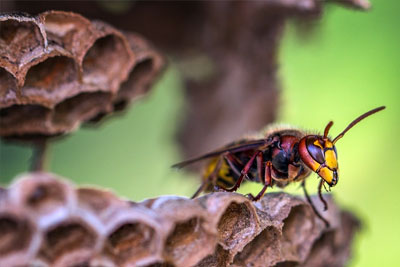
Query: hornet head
x=319, y=152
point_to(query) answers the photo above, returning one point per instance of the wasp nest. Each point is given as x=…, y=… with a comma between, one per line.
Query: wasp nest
x=58, y=70
x=46, y=221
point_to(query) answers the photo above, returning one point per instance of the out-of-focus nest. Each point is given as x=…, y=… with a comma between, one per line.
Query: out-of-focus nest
x=46, y=221
x=58, y=70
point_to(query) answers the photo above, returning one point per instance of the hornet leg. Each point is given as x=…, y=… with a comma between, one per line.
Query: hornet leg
x=321, y=183
x=267, y=183
x=303, y=184
x=243, y=173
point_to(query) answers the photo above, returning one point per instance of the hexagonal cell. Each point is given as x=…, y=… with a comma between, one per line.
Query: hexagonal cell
x=262, y=250
x=106, y=63
x=298, y=232
x=40, y=193
x=16, y=236
x=71, y=243
x=333, y=247
x=46, y=82
x=71, y=112
x=68, y=29
x=188, y=242
x=19, y=36
x=137, y=85
x=131, y=243
x=8, y=88
x=236, y=224
x=22, y=120
x=42, y=197
x=324, y=250
x=45, y=197
x=101, y=202
x=138, y=81
x=220, y=257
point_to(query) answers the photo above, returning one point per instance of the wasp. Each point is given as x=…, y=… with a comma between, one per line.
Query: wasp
x=278, y=157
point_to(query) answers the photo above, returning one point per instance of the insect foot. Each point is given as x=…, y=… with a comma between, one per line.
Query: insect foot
x=48, y=221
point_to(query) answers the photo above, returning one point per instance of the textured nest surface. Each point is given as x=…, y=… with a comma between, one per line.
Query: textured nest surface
x=58, y=70
x=46, y=221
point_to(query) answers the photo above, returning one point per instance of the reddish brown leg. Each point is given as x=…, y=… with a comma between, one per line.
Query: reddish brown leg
x=233, y=162
x=243, y=173
x=321, y=183
x=303, y=184
x=259, y=168
x=201, y=188
x=268, y=182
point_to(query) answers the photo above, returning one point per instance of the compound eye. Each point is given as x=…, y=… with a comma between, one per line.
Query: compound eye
x=315, y=149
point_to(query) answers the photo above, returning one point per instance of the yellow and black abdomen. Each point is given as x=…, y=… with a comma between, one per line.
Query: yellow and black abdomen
x=223, y=174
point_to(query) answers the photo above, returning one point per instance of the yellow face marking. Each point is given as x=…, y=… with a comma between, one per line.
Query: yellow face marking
x=330, y=156
x=330, y=159
x=326, y=174
x=328, y=144
x=316, y=143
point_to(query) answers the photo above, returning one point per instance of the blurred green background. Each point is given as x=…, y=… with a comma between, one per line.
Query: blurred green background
x=347, y=66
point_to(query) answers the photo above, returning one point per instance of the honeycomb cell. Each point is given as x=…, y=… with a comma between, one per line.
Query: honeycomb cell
x=264, y=249
x=19, y=36
x=104, y=63
x=186, y=244
x=237, y=223
x=81, y=107
x=8, y=92
x=18, y=121
x=70, y=30
x=18, y=240
x=130, y=242
x=296, y=247
x=70, y=243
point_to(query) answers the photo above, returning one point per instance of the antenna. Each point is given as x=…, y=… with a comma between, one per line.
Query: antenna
x=327, y=128
x=363, y=116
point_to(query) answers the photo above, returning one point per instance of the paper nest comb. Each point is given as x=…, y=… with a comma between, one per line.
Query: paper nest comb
x=46, y=221
x=58, y=70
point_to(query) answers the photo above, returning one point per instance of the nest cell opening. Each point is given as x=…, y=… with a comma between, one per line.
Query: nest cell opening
x=66, y=239
x=81, y=107
x=263, y=249
x=15, y=234
x=138, y=82
x=131, y=242
x=19, y=120
x=8, y=86
x=96, y=200
x=220, y=257
x=50, y=75
x=65, y=28
x=297, y=221
x=237, y=222
x=296, y=231
x=105, y=61
x=45, y=197
x=18, y=38
x=187, y=240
